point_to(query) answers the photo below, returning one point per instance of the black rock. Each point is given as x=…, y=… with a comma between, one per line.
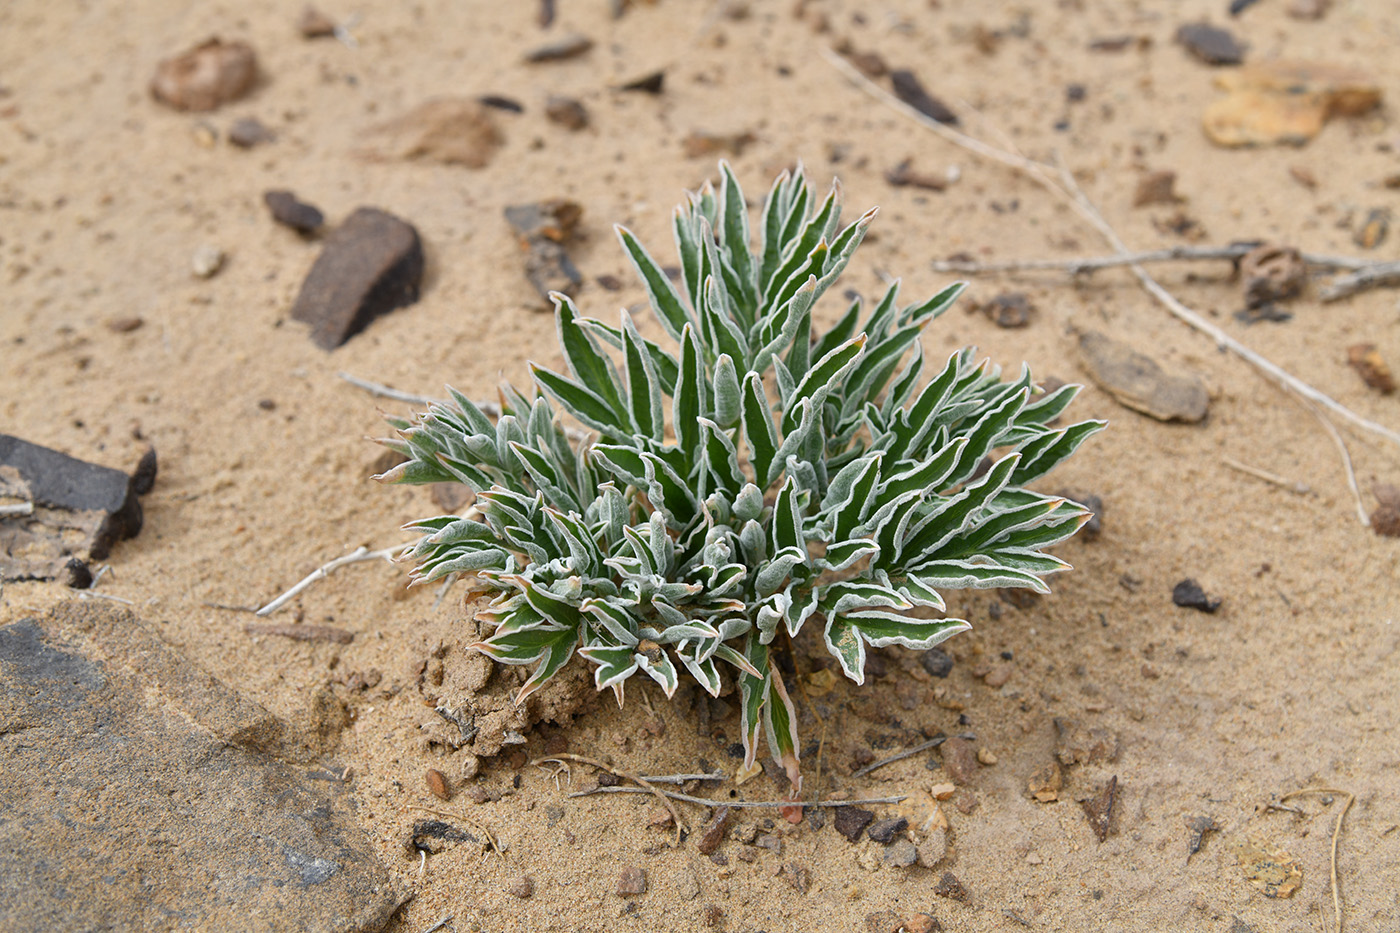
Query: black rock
x=77, y=574
x=291, y=211
x=851, y=821
x=937, y=662
x=908, y=88
x=1211, y=44
x=653, y=83
x=1189, y=595
x=508, y=104
x=79, y=508
x=371, y=264
x=883, y=831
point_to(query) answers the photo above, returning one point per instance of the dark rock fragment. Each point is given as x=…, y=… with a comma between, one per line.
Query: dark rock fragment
x=1385, y=520
x=908, y=88
x=1156, y=188
x=653, y=83
x=1272, y=273
x=1009, y=309
x=937, y=662
x=884, y=831
x=1211, y=44
x=289, y=210
x=1099, y=808
x=1198, y=827
x=498, y=102
x=1189, y=595
x=143, y=478
x=560, y=50
x=851, y=821
x=949, y=886
x=206, y=77
x=79, y=509
x=903, y=175
x=543, y=229
x=713, y=833
x=77, y=574
x=248, y=132
x=371, y=264
x=567, y=112
x=433, y=836
x=313, y=24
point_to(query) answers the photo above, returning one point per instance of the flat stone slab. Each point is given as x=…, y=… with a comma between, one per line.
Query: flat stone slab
x=135, y=795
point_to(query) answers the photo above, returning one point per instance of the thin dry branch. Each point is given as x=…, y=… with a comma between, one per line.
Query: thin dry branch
x=911, y=752
x=1336, y=832
x=1233, y=252
x=627, y=776
x=357, y=556
x=740, y=804
x=1375, y=275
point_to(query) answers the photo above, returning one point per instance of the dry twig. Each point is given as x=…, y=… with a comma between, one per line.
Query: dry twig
x=357, y=556
x=1294, y=487
x=911, y=752
x=1233, y=252
x=1374, y=275
x=627, y=776
x=1336, y=831
x=751, y=804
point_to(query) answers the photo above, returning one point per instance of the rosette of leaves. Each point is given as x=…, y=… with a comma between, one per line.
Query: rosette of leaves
x=745, y=479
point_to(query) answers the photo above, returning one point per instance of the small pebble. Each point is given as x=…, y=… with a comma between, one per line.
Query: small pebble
x=522, y=887
x=437, y=783
x=937, y=662
x=567, y=112
x=566, y=48
x=851, y=821
x=885, y=830
x=248, y=132
x=959, y=759
x=288, y=210
x=901, y=854
x=313, y=24
x=632, y=882
x=985, y=756
x=206, y=261
x=798, y=876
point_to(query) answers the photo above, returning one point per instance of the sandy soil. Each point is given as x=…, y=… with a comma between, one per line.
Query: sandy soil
x=1292, y=684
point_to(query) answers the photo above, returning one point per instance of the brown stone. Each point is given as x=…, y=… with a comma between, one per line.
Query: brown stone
x=1284, y=102
x=1156, y=188
x=632, y=882
x=450, y=130
x=437, y=783
x=959, y=759
x=1044, y=785
x=371, y=264
x=1373, y=369
x=1138, y=382
x=567, y=112
x=206, y=77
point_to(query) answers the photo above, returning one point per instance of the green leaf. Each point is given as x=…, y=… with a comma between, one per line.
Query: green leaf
x=687, y=404
x=584, y=404
x=643, y=386
x=727, y=392
x=762, y=437
x=735, y=225
x=823, y=378
x=923, y=313
x=589, y=367
x=665, y=302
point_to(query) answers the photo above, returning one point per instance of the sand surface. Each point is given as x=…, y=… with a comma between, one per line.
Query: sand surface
x=264, y=467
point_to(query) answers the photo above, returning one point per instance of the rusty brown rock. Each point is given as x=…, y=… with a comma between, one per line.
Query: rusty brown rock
x=313, y=24
x=1371, y=367
x=959, y=759
x=1099, y=808
x=437, y=783
x=206, y=77
x=1285, y=102
x=567, y=112
x=632, y=882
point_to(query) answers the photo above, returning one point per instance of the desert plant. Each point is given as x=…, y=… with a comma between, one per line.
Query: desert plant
x=800, y=477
